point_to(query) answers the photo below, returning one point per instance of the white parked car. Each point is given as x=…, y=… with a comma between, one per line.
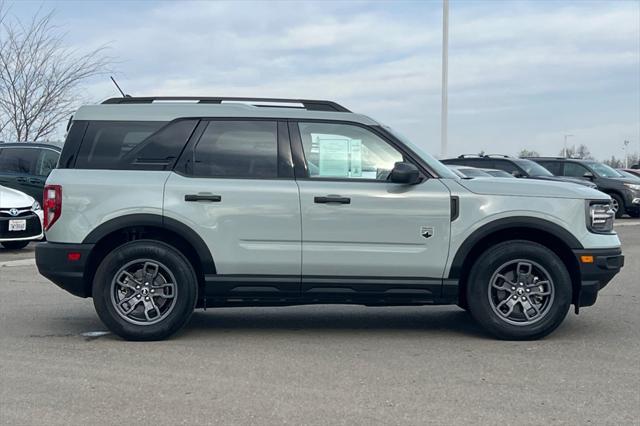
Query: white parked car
x=20, y=219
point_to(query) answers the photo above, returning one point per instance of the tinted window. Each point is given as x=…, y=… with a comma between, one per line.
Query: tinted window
x=574, y=170
x=18, y=160
x=554, y=167
x=160, y=150
x=47, y=162
x=532, y=168
x=604, y=170
x=236, y=149
x=344, y=151
x=106, y=142
x=506, y=166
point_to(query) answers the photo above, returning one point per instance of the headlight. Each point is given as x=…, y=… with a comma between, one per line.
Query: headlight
x=633, y=186
x=600, y=217
x=35, y=207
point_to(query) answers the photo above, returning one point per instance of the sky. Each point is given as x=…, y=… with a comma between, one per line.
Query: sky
x=522, y=74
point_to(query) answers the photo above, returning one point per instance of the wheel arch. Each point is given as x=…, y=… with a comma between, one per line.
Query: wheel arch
x=118, y=231
x=540, y=231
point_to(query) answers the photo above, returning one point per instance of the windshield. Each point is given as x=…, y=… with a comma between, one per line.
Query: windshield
x=437, y=166
x=628, y=175
x=603, y=170
x=532, y=168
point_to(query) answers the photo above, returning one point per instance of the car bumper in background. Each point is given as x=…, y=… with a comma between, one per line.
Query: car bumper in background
x=597, y=269
x=33, y=231
x=64, y=265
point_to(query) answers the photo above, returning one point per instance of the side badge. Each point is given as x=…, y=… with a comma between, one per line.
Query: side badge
x=426, y=231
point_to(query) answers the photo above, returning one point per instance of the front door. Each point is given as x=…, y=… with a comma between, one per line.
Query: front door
x=360, y=232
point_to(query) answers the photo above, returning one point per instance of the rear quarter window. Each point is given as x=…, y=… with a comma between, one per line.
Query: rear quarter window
x=133, y=145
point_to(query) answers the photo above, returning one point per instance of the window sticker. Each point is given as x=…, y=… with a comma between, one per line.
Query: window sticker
x=334, y=157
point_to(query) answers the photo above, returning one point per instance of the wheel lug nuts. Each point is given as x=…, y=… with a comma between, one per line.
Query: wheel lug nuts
x=528, y=290
x=139, y=296
x=524, y=298
x=513, y=288
x=146, y=298
x=137, y=286
x=153, y=291
x=515, y=297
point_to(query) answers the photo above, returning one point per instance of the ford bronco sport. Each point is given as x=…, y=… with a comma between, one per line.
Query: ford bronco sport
x=162, y=205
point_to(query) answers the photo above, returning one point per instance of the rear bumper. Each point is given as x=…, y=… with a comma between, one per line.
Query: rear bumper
x=597, y=274
x=53, y=263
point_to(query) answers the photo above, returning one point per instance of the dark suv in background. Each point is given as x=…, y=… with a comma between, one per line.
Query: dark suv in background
x=517, y=167
x=25, y=166
x=625, y=192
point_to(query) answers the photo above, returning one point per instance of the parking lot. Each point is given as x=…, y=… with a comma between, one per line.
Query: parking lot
x=315, y=364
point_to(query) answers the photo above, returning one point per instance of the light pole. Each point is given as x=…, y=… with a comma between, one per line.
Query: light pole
x=565, y=145
x=445, y=78
x=626, y=154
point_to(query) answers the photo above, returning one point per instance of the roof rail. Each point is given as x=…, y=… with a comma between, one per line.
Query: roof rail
x=497, y=156
x=470, y=156
x=311, y=105
x=549, y=158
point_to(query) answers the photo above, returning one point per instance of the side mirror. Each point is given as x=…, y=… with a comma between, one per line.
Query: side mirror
x=588, y=175
x=516, y=174
x=405, y=173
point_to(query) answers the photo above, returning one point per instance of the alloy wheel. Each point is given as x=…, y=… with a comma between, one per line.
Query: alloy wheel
x=144, y=292
x=521, y=292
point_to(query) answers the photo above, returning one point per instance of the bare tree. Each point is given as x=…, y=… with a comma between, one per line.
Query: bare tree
x=528, y=153
x=582, y=152
x=39, y=76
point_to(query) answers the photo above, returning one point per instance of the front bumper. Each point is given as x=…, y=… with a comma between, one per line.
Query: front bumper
x=54, y=263
x=33, y=229
x=597, y=273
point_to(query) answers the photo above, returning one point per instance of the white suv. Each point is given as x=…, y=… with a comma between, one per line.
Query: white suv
x=162, y=205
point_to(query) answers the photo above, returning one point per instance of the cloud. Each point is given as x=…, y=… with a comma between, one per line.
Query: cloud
x=512, y=64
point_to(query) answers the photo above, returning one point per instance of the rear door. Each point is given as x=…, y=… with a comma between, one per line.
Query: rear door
x=361, y=233
x=234, y=186
x=17, y=166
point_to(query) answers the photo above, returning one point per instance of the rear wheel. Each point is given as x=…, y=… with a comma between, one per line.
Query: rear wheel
x=15, y=245
x=519, y=290
x=145, y=290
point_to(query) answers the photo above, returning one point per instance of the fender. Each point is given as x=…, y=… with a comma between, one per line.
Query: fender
x=520, y=222
x=156, y=221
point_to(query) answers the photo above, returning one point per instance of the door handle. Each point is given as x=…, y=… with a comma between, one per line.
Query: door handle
x=21, y=180
x=35, y=180
x=203, y=197
x=332, y=199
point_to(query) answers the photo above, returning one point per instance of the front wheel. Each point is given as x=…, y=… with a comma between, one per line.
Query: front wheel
x=617, y=205
x=519, y=290
x=145, y=290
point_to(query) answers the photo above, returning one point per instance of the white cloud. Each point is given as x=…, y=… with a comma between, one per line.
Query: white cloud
x=511, y=64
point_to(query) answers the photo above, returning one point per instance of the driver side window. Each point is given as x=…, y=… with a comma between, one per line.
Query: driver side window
x=574, y=170
x=344, y=151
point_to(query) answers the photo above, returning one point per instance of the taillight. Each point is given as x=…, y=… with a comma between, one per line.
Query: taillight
x=52, y=205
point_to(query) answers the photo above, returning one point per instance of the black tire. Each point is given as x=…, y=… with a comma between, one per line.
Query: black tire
x=635, y=213
x=621, y=207
x=15, y=245
x=518, y=252
x=172, y=264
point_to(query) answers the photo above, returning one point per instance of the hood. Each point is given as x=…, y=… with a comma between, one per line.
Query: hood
x=531, y=188
x=10, y=198
x=567, y=179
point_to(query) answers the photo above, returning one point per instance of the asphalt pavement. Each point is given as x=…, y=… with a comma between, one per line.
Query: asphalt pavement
x=326, y=365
